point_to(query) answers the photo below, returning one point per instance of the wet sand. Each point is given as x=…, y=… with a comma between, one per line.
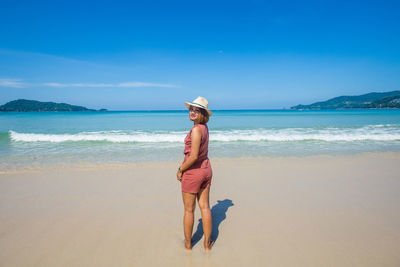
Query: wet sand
x=292, y=211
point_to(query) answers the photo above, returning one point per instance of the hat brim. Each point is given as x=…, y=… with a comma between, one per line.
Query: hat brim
x=188, y=104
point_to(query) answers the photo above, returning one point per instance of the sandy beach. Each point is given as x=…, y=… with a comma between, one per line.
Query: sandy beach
x=289, y=211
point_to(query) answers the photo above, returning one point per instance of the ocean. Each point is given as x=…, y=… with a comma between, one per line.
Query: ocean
x=35, y=139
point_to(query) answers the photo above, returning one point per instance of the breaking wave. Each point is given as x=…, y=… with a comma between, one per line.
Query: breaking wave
x=328, y=134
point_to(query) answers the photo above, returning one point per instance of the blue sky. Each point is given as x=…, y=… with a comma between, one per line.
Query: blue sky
x=133, y=55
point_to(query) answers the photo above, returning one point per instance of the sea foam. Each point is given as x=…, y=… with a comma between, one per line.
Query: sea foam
x=328, y=134
x=109, y=136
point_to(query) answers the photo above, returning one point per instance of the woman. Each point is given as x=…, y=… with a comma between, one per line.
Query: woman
x=195, y=173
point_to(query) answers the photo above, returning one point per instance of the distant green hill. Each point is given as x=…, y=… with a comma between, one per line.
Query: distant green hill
x=387, y=102
x=23, y=105
x=371, y=100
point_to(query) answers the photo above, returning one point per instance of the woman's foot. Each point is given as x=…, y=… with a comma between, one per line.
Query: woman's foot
x=208, y=245
x=188, y=245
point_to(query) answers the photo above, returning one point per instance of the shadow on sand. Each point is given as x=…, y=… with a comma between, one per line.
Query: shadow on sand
x=218, y=212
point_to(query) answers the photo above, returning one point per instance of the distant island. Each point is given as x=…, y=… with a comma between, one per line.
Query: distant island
x=371, y=100
x=24, y=105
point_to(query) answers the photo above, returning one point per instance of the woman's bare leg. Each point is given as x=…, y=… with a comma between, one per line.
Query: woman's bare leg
x=189, y=202
x=203, y=198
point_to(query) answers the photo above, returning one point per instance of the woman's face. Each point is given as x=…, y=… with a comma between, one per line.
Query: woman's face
x=194, y=113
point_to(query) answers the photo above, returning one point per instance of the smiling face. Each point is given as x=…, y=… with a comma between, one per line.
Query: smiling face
x=198, y=115
x=195, y=114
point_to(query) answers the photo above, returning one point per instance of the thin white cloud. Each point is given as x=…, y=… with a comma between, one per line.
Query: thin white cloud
x=77, y=84
x=142, y=84
x=125, y=84
x=14, y=83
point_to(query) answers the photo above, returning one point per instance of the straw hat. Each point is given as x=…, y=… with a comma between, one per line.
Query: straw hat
x=199, y=102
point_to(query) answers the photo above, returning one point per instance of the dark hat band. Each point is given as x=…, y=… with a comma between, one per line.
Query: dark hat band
x=199, y=105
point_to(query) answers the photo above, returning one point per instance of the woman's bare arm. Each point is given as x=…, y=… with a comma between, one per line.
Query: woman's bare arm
x=195, y=147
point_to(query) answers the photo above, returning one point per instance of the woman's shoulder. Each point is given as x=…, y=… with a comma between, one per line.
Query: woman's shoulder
x=196, y=128
x=200, y=128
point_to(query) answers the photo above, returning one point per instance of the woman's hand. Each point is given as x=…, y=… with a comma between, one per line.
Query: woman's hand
x=179, y=175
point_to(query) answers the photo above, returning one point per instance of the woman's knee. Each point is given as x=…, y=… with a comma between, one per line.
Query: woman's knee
x=204, y=205
x=189, y=201
x=190, y=207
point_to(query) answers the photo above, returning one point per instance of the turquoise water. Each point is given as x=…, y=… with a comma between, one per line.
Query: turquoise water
x=30, y=139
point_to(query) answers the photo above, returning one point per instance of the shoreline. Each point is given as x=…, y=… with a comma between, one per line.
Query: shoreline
x=152, y=163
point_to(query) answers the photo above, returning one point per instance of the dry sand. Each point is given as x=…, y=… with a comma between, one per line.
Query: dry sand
x=297, y=211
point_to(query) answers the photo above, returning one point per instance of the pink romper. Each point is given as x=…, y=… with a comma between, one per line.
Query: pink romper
x=199, y=175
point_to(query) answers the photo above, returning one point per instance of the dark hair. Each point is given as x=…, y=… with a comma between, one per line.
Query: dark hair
x=204, y=117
